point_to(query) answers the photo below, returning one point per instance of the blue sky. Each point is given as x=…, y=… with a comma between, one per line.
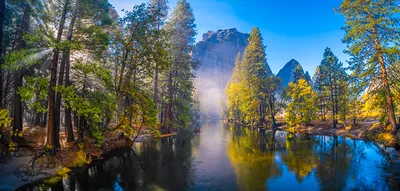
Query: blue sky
x=299, y=29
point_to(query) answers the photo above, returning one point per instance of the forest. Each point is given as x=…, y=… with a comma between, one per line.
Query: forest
x=76, y=79
x=77, y=64
x=366, y=89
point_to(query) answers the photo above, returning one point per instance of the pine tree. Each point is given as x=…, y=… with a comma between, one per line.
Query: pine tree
x=331, y=81
x=52, y=130
x=66, y=62
x=255, y=75
x=19, y=73
x=179, y=87
x=237, y=70
x=160, y=10
x=322, y=93
x=2, y=19
x=251, y=89
x=372, y=34
x=232, y=90
x=298, y=74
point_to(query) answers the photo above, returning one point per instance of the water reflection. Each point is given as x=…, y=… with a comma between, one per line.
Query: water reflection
x=237, y=158
x=252, y=164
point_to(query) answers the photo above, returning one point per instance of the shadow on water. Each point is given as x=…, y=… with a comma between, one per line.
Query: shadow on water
x=237, y=158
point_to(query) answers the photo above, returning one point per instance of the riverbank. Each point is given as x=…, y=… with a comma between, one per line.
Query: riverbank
x=369, y=130
x=16, y=169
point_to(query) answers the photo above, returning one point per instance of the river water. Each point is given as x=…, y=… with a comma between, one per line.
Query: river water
x=234, y=158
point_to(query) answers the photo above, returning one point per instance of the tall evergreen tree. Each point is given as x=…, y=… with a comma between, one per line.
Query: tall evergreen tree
x=331, y=80
x=322, y=93
x=232, y=91
x=252, y=87
x=52, y=130
x=160, y=9
x=255, y=75
x=2, y=19
x=298, y=73
x=179, y=87
x=373, y=34
x=19, y=73
x=66, y=63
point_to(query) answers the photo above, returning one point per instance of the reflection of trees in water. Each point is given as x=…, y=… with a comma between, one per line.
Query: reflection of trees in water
x=171, y=165
x=253, y=167
x=164, y=164
x=337, y=163
x=335, y=160
x=344, y=164
x=299, y=157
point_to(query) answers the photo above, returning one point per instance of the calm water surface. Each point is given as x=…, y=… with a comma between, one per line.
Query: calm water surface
x=232, y=158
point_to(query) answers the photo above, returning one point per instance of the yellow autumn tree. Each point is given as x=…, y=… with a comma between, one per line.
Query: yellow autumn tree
x=302, y=109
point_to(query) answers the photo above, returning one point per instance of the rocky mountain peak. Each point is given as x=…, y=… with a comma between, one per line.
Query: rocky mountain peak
x=287, y=72
x=216, y=54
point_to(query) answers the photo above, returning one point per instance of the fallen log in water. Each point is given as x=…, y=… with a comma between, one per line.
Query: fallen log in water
x=167, y=135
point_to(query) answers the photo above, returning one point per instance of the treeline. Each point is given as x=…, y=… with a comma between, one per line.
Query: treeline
x=76, y=63
x=335, y=93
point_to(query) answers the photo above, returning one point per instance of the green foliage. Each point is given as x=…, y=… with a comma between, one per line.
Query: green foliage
x=373, y=36
x=93, y=38
x=179, y=89
x=252, y=88
x=96, y=106
x=35, y=93
x=17, y=60
x=298, y=74
x=103, y=74
x=301, y=110
x=331, y=84
x=140, y=113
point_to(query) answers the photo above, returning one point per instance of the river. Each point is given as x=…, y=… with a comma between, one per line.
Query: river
x=234, y=158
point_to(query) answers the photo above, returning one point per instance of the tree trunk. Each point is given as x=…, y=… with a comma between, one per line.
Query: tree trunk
x=271, y=103
x=156, y=86
x=122, y=70
x=17, y=103
x=5, y=90
x=168, y=109
x=333, y=109
x=57, y=108
x=52, y=131
x=76, y=120
x=2, y=10
x=386, y=86
x=66, y=61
